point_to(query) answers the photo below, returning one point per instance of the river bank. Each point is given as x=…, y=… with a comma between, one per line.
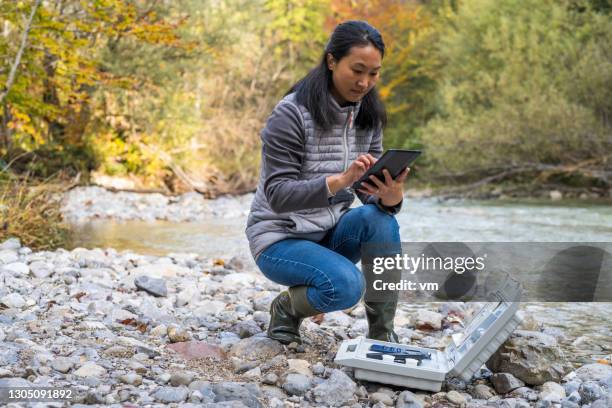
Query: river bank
x=127, y=329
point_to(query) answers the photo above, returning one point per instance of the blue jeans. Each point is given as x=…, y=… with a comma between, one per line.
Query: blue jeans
x=328, y=267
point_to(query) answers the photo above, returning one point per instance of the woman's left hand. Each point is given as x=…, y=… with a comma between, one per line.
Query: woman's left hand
x=391, y=192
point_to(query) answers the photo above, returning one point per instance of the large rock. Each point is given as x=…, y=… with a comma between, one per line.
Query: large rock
x=256, y=348
x=530, y=356
x=336, y=391
x=594, y=372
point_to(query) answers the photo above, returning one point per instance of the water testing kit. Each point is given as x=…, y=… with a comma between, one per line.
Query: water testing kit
x=427, y=369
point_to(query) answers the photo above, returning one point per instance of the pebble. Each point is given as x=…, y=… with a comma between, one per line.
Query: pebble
x=90, y=369
x=505, y=382
x=171, y=394
x=131, y=379
x=181, y=378
x=337, y=390
x=62, y=364
x=296, y=384
x=381, y=397
x=154, y=286
x=13, y=300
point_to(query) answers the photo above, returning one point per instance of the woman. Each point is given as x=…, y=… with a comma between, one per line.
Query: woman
x=320, y=139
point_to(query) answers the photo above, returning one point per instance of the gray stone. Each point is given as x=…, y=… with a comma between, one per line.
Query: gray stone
x=590, y=391
x=337, y=390
x=205, y=389
x=382, y=398
x=505, y=382
x=318, y=368
x=14, y=382
x=482, y=391
x=296, y=384
x=407, y=399
x=594, y=372
x=270, y=379
x=525, y=393
x=565, y=403
x=154, y=286
x=62, y=364
x=246, y=328
x=256, y=348
x=455, y=398
x=456, y=384
x=181, y=378
x=170, y=394
x=233, y=391
x=571, y=386
x=530, y=356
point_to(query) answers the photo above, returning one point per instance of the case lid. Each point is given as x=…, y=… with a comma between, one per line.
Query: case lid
x=489, y=328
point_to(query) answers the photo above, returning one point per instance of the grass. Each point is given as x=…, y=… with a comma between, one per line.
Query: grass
x=30, y=211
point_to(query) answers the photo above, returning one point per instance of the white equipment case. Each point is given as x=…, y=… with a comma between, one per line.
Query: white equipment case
x=429, y=368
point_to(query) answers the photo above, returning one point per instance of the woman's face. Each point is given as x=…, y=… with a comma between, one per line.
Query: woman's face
x=355, y=74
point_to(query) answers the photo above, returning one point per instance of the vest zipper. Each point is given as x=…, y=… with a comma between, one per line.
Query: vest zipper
x=348, y=126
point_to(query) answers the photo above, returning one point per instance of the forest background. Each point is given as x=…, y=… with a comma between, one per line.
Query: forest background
x=172, y=94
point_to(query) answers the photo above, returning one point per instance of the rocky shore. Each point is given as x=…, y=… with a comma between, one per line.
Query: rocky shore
x=83, y=204
x=128, y=330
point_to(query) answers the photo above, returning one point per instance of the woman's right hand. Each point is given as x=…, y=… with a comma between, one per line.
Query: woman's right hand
x=353, y=173
x=358, y=168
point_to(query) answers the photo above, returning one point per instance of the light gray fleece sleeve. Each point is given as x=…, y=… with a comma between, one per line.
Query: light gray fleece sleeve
x=282, y=154
x=376, y=150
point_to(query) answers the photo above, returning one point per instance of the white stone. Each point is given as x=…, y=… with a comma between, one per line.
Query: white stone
x=299, y=366
x=161, y=271
x=11, y=243
x=238, y=280
x=13, y=300
x=552, y=392
x=8, y=256
x=210, y=307
x=17, y=268
x=90, y=369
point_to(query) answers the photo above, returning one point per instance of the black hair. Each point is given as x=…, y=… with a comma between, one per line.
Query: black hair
x=313, y=91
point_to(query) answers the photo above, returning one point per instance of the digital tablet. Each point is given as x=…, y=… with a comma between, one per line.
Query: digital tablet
x=394, y=160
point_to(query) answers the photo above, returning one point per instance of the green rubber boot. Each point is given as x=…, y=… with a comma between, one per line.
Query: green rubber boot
x=287, y=311
x=380, y=317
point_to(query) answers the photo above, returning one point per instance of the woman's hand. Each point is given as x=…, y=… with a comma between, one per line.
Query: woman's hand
x=391, y=191
x=353, y=173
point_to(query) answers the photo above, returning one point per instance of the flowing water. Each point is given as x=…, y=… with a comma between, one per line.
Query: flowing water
x=587, y=327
